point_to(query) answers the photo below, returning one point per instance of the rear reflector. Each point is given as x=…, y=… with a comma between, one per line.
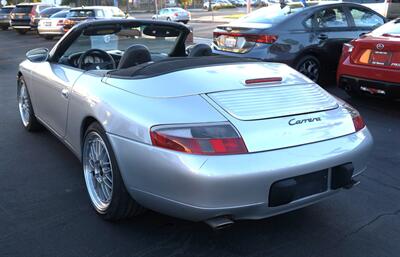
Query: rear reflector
x=262, y=80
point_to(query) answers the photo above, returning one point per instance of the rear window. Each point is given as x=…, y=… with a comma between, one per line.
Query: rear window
x=50, y=11
x=81, y=13
x=270, y=15
x=390, y=28
x=61, y=14
x=23, y=9
x=6, y=10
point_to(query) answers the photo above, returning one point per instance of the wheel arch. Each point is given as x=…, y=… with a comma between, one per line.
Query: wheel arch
x=86, y=122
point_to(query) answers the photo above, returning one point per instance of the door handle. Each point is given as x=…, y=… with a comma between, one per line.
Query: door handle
x=65, y=93
x=322, y=36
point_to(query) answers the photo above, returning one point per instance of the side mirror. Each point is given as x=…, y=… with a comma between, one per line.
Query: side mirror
x=38, y=55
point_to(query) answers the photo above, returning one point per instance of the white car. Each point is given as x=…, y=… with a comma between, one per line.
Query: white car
x=173, y=14
x=53, y=26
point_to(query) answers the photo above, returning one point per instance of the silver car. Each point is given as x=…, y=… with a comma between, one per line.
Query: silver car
x=53, y=26
x=200, y=137
x=173, y=14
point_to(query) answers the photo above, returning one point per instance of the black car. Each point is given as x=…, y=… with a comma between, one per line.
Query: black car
x=309, y=38
x=24, y=15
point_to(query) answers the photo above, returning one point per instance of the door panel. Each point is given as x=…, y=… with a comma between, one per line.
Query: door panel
x=331, y=30
x=52, y=84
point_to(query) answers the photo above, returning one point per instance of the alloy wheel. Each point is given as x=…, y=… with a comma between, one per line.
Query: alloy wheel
x=310, y=68
x=98, y=171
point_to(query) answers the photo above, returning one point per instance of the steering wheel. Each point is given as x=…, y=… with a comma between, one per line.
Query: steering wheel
x=108, y=61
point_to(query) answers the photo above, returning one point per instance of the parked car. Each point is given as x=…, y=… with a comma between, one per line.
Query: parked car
x=188, y=136
x=88, y=13
x=5, y=16
x=24, y=15
x=302, y=37
x=371, y=64
x=46, y=13
x=53, y=26
x=215, y=4
x=173, y=14
x=387, y=8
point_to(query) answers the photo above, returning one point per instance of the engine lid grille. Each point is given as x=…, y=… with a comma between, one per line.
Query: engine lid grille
x=274, y=101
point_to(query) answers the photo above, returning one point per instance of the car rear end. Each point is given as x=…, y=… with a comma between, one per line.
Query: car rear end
x=22, y=17
x=273, y=142
x=180, y=15
x=53, y=26
x=258, y=35
x=77, y=15
x=371, y=64
x=5, y=16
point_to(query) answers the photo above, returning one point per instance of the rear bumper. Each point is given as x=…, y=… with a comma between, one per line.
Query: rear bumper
x=202, y=187
x=51, y=30
x=371, y=87
x=368, y=79
x=264, y=52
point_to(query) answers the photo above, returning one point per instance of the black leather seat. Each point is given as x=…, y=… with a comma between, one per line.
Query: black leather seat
x=134, y=55
x=200, y=50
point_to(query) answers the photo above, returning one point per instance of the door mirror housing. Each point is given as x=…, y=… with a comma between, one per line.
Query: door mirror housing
x=38, y=55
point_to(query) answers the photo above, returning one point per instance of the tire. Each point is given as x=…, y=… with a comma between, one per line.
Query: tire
x=48, y=37
x=4, y=28
x=21, y=31
x=25, y=107
x=104, y=184
x=185, y=22
x=168, y=19
x=310, y=66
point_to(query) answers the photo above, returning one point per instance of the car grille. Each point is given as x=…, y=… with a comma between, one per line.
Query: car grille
x=274, y=101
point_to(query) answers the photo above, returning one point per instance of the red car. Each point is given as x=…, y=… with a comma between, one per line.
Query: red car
x=371, y=63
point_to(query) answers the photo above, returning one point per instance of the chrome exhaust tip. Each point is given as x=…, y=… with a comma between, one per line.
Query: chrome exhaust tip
x=219, y=223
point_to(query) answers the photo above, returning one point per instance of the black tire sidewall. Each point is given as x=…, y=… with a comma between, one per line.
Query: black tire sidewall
x=314, y=59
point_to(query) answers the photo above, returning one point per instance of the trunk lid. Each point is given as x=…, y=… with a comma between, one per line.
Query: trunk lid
x=281, y=116
x=377, y=51
x=241, y=38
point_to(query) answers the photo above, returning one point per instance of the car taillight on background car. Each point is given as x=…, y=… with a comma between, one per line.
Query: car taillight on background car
x=207, y=139
x=256, y=38
x=60, y=23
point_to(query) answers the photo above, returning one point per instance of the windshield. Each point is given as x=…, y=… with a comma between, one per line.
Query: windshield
x=270, y=15
x=81, y=13
x=5, y=10
x=159, y=40
x=390, y=28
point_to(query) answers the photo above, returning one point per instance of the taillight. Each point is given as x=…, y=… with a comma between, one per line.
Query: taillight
x=176, y=14
x=358, y=121
x=32, y=14
x=208, y=139
x=257, y=38
x=60, y=23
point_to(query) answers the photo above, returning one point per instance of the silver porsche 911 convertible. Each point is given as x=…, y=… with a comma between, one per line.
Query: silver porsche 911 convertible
x=160, y=125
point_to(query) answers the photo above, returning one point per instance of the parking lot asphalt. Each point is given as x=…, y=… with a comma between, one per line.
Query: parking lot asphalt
x=44, y=209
